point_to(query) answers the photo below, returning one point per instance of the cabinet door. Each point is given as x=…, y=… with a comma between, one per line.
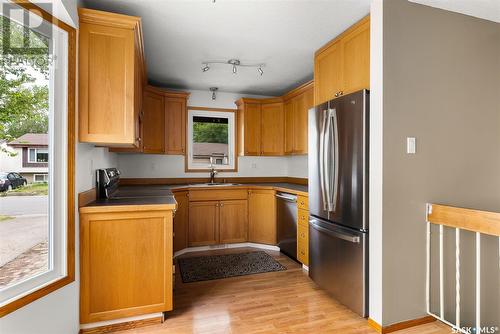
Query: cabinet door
x=106, y=85
x=272, y=129
x=203, y=223
x=233, y=221
x=121, y=251
x=252, y=127
x=154, y=123
x=356, y=59
x=303, y=244
x=328, y=73
x=262, y=216
x=289, y=126
x=181, y=221
x=175, y=118
x=304, y=102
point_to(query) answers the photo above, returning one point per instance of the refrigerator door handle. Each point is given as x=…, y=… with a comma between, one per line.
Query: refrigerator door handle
x=333, y=201
x=322, y=160
x=327, y=161
x=335, y=234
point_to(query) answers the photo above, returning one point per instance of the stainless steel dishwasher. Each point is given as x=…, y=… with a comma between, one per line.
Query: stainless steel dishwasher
x=286, y=207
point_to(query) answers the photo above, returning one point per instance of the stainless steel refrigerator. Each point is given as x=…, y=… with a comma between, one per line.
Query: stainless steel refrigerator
x=338, y=199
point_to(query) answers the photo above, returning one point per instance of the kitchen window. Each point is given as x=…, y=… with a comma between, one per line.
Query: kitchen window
x=38, y=64
x=211, y=140
x=36, y=155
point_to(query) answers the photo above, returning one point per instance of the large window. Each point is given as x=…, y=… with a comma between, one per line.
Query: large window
x=37, y=94
x=211, y=140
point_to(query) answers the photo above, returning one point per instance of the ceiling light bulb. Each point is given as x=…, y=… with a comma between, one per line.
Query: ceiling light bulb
x=234, y=69
x=206, y=68
x=261, y=71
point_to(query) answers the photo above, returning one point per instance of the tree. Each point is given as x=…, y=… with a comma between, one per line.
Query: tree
x=209, y=133
x=24, y=95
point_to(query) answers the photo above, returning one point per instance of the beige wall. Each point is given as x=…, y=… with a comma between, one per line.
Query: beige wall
x=441, y=85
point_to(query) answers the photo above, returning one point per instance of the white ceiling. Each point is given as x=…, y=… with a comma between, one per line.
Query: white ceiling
x=484, y=9
x=179, y=35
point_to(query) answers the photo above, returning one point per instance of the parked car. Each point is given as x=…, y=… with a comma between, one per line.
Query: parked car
x=9, y=181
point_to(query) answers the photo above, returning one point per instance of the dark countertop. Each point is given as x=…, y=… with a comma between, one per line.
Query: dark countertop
x=138, y=195
x=162, y=194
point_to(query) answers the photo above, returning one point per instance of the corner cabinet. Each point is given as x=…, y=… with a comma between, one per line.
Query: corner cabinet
x=297, y=105
x=260, y=127
x=111, y=78
x=343, y=65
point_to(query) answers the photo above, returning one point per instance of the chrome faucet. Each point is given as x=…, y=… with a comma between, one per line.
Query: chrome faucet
x=212, y=175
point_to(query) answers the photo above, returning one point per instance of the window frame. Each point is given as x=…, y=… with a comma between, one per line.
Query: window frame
x=68, y=230
x=36, y=149
x=45, y=176
x=232, y=131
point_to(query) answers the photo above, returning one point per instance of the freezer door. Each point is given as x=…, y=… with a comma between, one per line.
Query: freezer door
x=338, y=263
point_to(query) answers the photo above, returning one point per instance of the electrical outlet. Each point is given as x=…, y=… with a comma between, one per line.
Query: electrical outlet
x=253, y=165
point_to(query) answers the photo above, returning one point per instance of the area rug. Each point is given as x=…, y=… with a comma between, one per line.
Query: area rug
x=205, y=268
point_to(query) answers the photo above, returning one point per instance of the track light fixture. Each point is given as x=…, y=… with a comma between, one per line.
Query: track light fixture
x=235, y=63
x=214, y=90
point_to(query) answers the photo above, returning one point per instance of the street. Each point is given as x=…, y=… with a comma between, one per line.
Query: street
x=23, y=205
x=27, y=227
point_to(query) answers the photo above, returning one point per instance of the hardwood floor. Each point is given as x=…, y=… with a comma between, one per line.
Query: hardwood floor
x=277, y=302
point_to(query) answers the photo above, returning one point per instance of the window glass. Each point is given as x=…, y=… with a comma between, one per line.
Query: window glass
x=211, y=139
x=33, y=216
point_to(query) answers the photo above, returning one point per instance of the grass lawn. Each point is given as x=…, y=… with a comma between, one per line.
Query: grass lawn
x=30, y=189
x=4, y=217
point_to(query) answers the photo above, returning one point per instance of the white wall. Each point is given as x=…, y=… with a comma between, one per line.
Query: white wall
x=166, y=166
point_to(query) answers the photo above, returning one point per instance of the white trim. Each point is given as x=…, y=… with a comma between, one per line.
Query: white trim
x=231, y=140
x=441, y=271
x=428, y=265
x=225, y=246
x=478, y=281
x=121, y=320
x=46, y=179
x=304, y=267
x=457, y=277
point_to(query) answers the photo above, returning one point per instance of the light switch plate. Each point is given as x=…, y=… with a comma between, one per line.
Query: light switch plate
x=411, y=145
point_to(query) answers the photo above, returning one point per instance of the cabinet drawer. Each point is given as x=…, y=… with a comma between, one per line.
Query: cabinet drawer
x=217, y=195
x=303, y=202
x=303, y=244
x=303, y=218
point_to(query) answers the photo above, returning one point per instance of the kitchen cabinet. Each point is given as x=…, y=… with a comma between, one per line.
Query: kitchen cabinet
x=303, y=229
x=262, y=216
x=343, y=65
x=272, y=129
x=260, y=127
x=203, y=223
x=175, y=126
x=120, y=250
x=297, y=105
x=111, y=78
x=217, y=216
x=181, y=221
x=233, y=221
x=154, y=121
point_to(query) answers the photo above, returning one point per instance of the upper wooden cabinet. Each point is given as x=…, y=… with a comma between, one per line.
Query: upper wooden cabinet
x=260, y=126
x=343, y=65
x=297, y=104
x=154, y=122
x=111, y=76
x=272, y=129
x=175, y=123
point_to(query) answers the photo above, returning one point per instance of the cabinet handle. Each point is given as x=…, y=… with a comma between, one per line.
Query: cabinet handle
x=341, y=93
x=139, y=139
x=221, y=205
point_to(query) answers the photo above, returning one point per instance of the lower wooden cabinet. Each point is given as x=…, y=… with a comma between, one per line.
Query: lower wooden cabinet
x=217, y=222
x=203, y=223
x=233, y=221
x=262, y=216
x=303, y=244
x=125, y=264
x=181, y=221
